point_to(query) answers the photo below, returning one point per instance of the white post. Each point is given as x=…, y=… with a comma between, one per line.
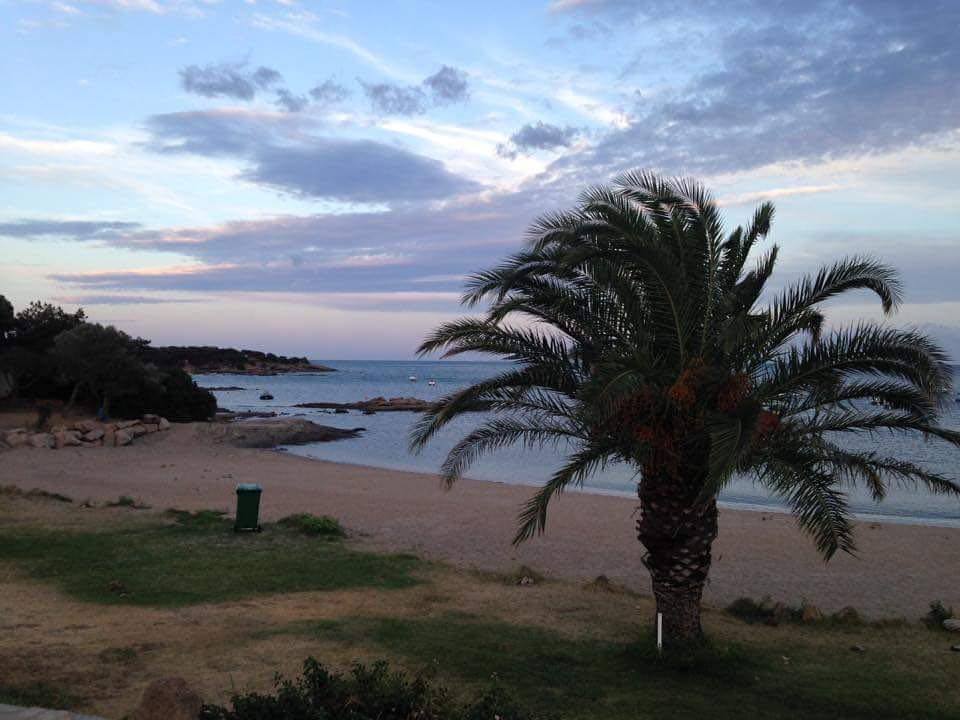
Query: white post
x=659, y=632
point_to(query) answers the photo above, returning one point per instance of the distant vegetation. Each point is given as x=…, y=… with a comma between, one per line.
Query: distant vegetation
x=207, y=359
x=48, y=354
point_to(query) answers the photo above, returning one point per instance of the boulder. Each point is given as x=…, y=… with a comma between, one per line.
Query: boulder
x=16, y=438
x=86, y=426
x=122, y=437
x=93, y=435
x=952, y=624
x=168, y=699
x=810, y=613
x=164, y=424
x=151, y=427
x=71, y=438
x=137, y=430
x=41, y=440
x=150, y=419
x=122, y=424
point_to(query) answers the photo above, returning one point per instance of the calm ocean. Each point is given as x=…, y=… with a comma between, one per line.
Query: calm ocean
x=384, y=444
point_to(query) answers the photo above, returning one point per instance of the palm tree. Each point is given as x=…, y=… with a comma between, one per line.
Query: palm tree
x=638, y=337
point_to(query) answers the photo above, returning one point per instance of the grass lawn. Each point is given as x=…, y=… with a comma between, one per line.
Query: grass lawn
x=195, y=558
x=557, y=646
x=593, y=678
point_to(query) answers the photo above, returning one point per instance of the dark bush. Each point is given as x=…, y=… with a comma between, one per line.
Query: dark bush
x=367, y=693
x=937, y=614
x=308, y=524
x=170, y=393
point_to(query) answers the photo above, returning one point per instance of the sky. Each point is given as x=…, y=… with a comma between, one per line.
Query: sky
x=318, y=177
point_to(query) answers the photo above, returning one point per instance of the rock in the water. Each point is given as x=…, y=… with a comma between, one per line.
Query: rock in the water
x=122, y=437
x=41, y=440
x=286, y=431
x=86, y=426
x=168, y=699
x=123, y=424
x=164, y=424
x=151, y=427
x=955, y=648
x=952, y=624
x=150, y=419
x=858, y=648
x=810, y=613
x=71, y=438
x=93, y=435
x=138, y=430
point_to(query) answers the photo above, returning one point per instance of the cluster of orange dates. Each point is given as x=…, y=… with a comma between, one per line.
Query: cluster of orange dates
x=664, y=420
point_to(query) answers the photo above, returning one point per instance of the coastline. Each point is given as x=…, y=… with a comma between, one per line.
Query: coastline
x=733, y=505
x=899, y=571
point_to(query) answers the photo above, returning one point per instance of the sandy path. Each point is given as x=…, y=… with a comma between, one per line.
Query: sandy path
x=899, y=571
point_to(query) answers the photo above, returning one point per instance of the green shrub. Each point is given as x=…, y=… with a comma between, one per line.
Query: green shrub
x=937, y=614
x=312, y=525
x=367, y=693
x=127, y=502
x=170, y=393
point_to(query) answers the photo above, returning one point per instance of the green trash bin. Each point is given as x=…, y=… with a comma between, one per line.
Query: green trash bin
x=248, y=507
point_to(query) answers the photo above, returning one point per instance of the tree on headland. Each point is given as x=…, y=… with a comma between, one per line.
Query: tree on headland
x=101, y=359
x=650, y=346
x=26, y=344
x=7, y=320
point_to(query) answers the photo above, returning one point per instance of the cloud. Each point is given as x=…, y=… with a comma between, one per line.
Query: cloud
x=290, y=102
x=792, y=82
x=282, y=153
x=389, y=99
x=118, y=300
x=228, y=80
x=355, y=171
x=537, y=136
x=329, y=92
x=33, y=229
x=219, y=132
x=374, y=252
x=448, y=85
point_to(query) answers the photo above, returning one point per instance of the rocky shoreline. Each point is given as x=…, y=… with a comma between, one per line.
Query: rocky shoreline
x=270, y=433
x=84, y=433
x=374, y=405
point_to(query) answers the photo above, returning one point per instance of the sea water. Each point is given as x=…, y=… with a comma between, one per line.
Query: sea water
x=385, y=440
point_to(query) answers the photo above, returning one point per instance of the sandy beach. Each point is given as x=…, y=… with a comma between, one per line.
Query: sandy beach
x=899, y=570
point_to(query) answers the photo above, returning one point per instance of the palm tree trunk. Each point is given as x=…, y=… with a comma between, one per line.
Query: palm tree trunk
x=678, y=535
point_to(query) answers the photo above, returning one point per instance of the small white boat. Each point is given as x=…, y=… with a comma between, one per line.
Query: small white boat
x=412, y=378
x=431, y=383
